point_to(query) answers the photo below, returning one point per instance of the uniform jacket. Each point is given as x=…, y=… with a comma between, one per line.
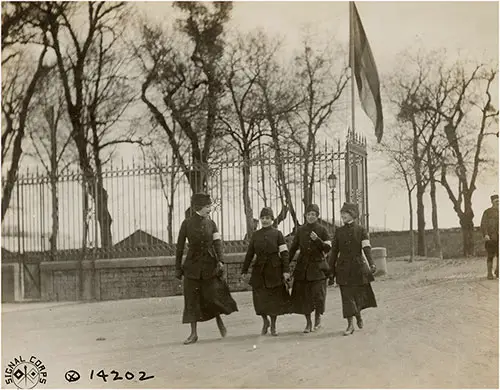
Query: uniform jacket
x=311, y=264
x=271, y=262
x=204, y=251
x=346, y=261
x=489, y=223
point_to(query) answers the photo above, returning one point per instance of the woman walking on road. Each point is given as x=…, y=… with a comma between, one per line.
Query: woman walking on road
x=311, y=271
x=269, y=272
x=353, y=273
x=206, y=294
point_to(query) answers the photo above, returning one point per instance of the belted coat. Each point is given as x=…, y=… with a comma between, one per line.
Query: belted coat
x=346, y=261
x=271, y=261
x=311, y=264
x=489, y=223
x=204, y=251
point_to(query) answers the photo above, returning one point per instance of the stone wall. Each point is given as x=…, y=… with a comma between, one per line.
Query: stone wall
x=142, y=277
x=398, y=243
x=122, y=278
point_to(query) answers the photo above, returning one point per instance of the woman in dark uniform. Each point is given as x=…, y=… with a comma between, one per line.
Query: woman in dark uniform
x=269, y=272
x=206, y=294
x=311, y=271
x=353, y=273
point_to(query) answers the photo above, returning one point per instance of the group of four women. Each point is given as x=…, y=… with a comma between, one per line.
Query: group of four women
x=347, y=259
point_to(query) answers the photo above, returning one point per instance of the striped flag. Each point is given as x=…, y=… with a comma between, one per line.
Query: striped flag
x=365, y=71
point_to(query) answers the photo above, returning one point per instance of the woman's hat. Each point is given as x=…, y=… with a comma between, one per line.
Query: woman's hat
x=267, y=212
x=313, y=207
x=201, y=199
x=350, y=208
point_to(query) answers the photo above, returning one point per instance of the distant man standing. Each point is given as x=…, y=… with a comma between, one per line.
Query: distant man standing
x=489, y=228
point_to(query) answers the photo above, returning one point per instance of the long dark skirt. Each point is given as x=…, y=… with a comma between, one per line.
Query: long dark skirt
x=205, y=299
x=309, y=296
x=356, y=298
x=271, y=301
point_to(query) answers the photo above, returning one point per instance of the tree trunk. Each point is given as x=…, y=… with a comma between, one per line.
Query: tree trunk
x=17, y=145
x=85, y=211
x=262, y=175
x=247, y=203
x=197, y=178
x=421, y=247
x=170, y=221
x=467, y=225
x=103, y=215
x=287, y=196
x=53, y=181
x=412, y=235
x=170, y=205
x=85, y=231
x=435, y=224
x=55, y=215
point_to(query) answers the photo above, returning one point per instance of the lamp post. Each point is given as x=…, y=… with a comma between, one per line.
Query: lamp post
x=332, y=183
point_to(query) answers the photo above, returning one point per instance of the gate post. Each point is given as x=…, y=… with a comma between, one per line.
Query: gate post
x=356, y=174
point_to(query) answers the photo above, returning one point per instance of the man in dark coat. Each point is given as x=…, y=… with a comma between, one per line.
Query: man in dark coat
x=311, y=271
x=352, y=271
x=269, y=272
x=489, y=228
x=206, y=294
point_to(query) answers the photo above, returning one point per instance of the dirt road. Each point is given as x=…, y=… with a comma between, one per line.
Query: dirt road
x=436, y=326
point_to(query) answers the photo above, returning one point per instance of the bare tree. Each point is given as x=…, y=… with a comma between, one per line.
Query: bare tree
x=278, y=99
x=169, y=175
x=95, y=90
x=410, y=95
x=50, y=142
x=184, y=84
x=469, y=115
x=241, y=114
x=321, y=83
x=21, y=28
x=397, y=150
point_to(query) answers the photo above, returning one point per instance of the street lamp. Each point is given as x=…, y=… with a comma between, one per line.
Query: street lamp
x=332, y=183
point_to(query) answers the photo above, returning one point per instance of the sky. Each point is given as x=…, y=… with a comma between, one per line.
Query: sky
x=467, y=30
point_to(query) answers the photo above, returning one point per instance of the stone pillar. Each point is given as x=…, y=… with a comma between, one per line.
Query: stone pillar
x=379, y=256
x=11, y=287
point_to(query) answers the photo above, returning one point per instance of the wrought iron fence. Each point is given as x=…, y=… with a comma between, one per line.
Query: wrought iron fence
x=60, y=217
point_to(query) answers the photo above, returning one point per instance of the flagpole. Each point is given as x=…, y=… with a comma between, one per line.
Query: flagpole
x=351, y=62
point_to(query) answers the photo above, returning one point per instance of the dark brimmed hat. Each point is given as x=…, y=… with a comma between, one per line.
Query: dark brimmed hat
x=350, y=208
x=267, y=212
x=493, y=197
x=201, y=200
x=313, y=207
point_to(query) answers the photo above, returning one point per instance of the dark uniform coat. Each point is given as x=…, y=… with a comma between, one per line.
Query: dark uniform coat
x=311, y=264
x=346, y=260
x=269, y=292
x=206, y=294
x=489, y=226
x=267, y=271
x=204, y=248
x=311, y=270
x=351, y=270
x=489, y=223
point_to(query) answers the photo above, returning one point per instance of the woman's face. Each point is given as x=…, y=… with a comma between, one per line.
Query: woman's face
x=205, y=211
x=266, y=221
x=346, y=217
x=311, y=217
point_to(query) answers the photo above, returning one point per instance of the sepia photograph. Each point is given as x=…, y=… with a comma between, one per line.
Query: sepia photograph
x=249, y=194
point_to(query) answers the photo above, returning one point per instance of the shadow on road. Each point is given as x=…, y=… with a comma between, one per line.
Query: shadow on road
x=268, y=339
